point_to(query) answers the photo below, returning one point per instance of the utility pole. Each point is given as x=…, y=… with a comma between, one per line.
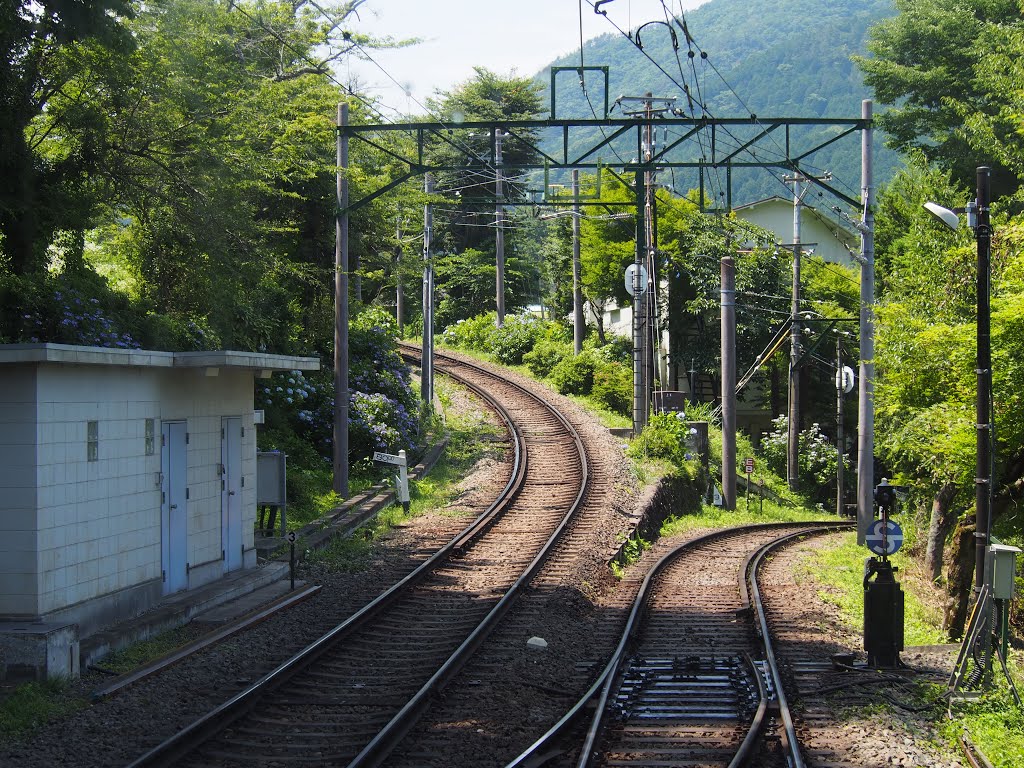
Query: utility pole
x=578, y=327
x=645, y=245
x=983, y=483
x=865, y=393
x=427, y=357
x=340, y=462
x=399, y=288
x=728, y=382
x=499, y=236
x=840, y=391
x=640, y=391
x=793, y=432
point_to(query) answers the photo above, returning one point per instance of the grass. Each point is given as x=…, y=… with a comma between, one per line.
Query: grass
x=33, y=704
x=994, y=724
x=143, y=652
x=711, y=516
x=839, y=569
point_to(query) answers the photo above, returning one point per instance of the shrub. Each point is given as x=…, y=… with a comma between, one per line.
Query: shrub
x=548, y=353
x=664, y=437
x=515, y=338
x=613, y=388
x=616, y=349
x=574, y=375
x=472, y=333
x=382, y=405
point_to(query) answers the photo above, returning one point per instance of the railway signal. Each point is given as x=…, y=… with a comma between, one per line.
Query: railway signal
x=883, y=598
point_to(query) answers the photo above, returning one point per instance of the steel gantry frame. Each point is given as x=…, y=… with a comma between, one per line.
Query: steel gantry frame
x=703, y=144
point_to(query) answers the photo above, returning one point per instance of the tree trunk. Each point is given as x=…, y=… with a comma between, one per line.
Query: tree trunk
x=942, y=520
x=960, y=578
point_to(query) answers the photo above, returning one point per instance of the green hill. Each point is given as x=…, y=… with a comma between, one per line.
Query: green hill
x=774, y=58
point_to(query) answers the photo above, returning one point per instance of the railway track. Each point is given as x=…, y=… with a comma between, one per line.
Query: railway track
x=691, y=683
x=349, y=697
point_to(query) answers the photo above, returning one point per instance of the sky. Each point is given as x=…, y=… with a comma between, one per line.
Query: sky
x=502, y=35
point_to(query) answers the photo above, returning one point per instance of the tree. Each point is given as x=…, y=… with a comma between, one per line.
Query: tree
x=43, y=46
x=925, y=355
x=996, y=132
x=468, y=221
x=607, y=247
x=936, y=64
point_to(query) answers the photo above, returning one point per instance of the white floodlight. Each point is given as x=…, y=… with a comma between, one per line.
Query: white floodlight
x=946, y=216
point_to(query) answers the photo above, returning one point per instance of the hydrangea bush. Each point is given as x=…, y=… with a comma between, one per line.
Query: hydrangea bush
x=816, y=472
x=382, y=405
x=66, y=316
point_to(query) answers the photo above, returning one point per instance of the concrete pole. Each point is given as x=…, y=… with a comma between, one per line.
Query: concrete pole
x=840, y=468
x=728, y=382
x=983, y=483
x=499, y=237
x=639, y=390
x=578, y=326
x=341, y=394
x=399, y=287
x=865, y=392
x=427, y=357
x=793, y=434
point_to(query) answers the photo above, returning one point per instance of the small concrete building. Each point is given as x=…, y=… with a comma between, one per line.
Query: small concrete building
x=125, y=476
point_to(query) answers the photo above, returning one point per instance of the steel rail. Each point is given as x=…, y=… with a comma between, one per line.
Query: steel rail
x=596, y=697
x=792, y=743
x=188, y=738
x=751, y=596
x=387, y=739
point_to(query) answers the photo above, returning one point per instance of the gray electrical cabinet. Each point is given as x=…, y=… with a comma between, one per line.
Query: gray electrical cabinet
x=272, y=483
x=1003, y=562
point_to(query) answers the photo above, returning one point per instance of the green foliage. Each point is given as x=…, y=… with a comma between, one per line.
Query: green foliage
x=839, y=569
x=466, y=268
x=574, y=375
x=995, y=723
x=50, y=184
x=664, y=437
x=382, y=407
x=757, y=511
x=613, y=388
x=940, y=63
x=614, y=349
x=547, y=353
x=471, y=333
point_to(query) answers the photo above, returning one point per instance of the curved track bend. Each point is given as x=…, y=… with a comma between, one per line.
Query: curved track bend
x=349, y=697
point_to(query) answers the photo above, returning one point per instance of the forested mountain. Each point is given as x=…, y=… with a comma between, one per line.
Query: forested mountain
x=773, y=58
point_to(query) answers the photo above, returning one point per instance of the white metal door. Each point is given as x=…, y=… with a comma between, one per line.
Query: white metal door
x=231, y=492
x=173, y=506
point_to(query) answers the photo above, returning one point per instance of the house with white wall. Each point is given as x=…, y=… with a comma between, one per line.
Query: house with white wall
x=125, y=475
x=822, y=234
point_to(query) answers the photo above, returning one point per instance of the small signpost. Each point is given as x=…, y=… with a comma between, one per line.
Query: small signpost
x=748, y=469
x=291, y=559
x=401, y=479
x=884, y=537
